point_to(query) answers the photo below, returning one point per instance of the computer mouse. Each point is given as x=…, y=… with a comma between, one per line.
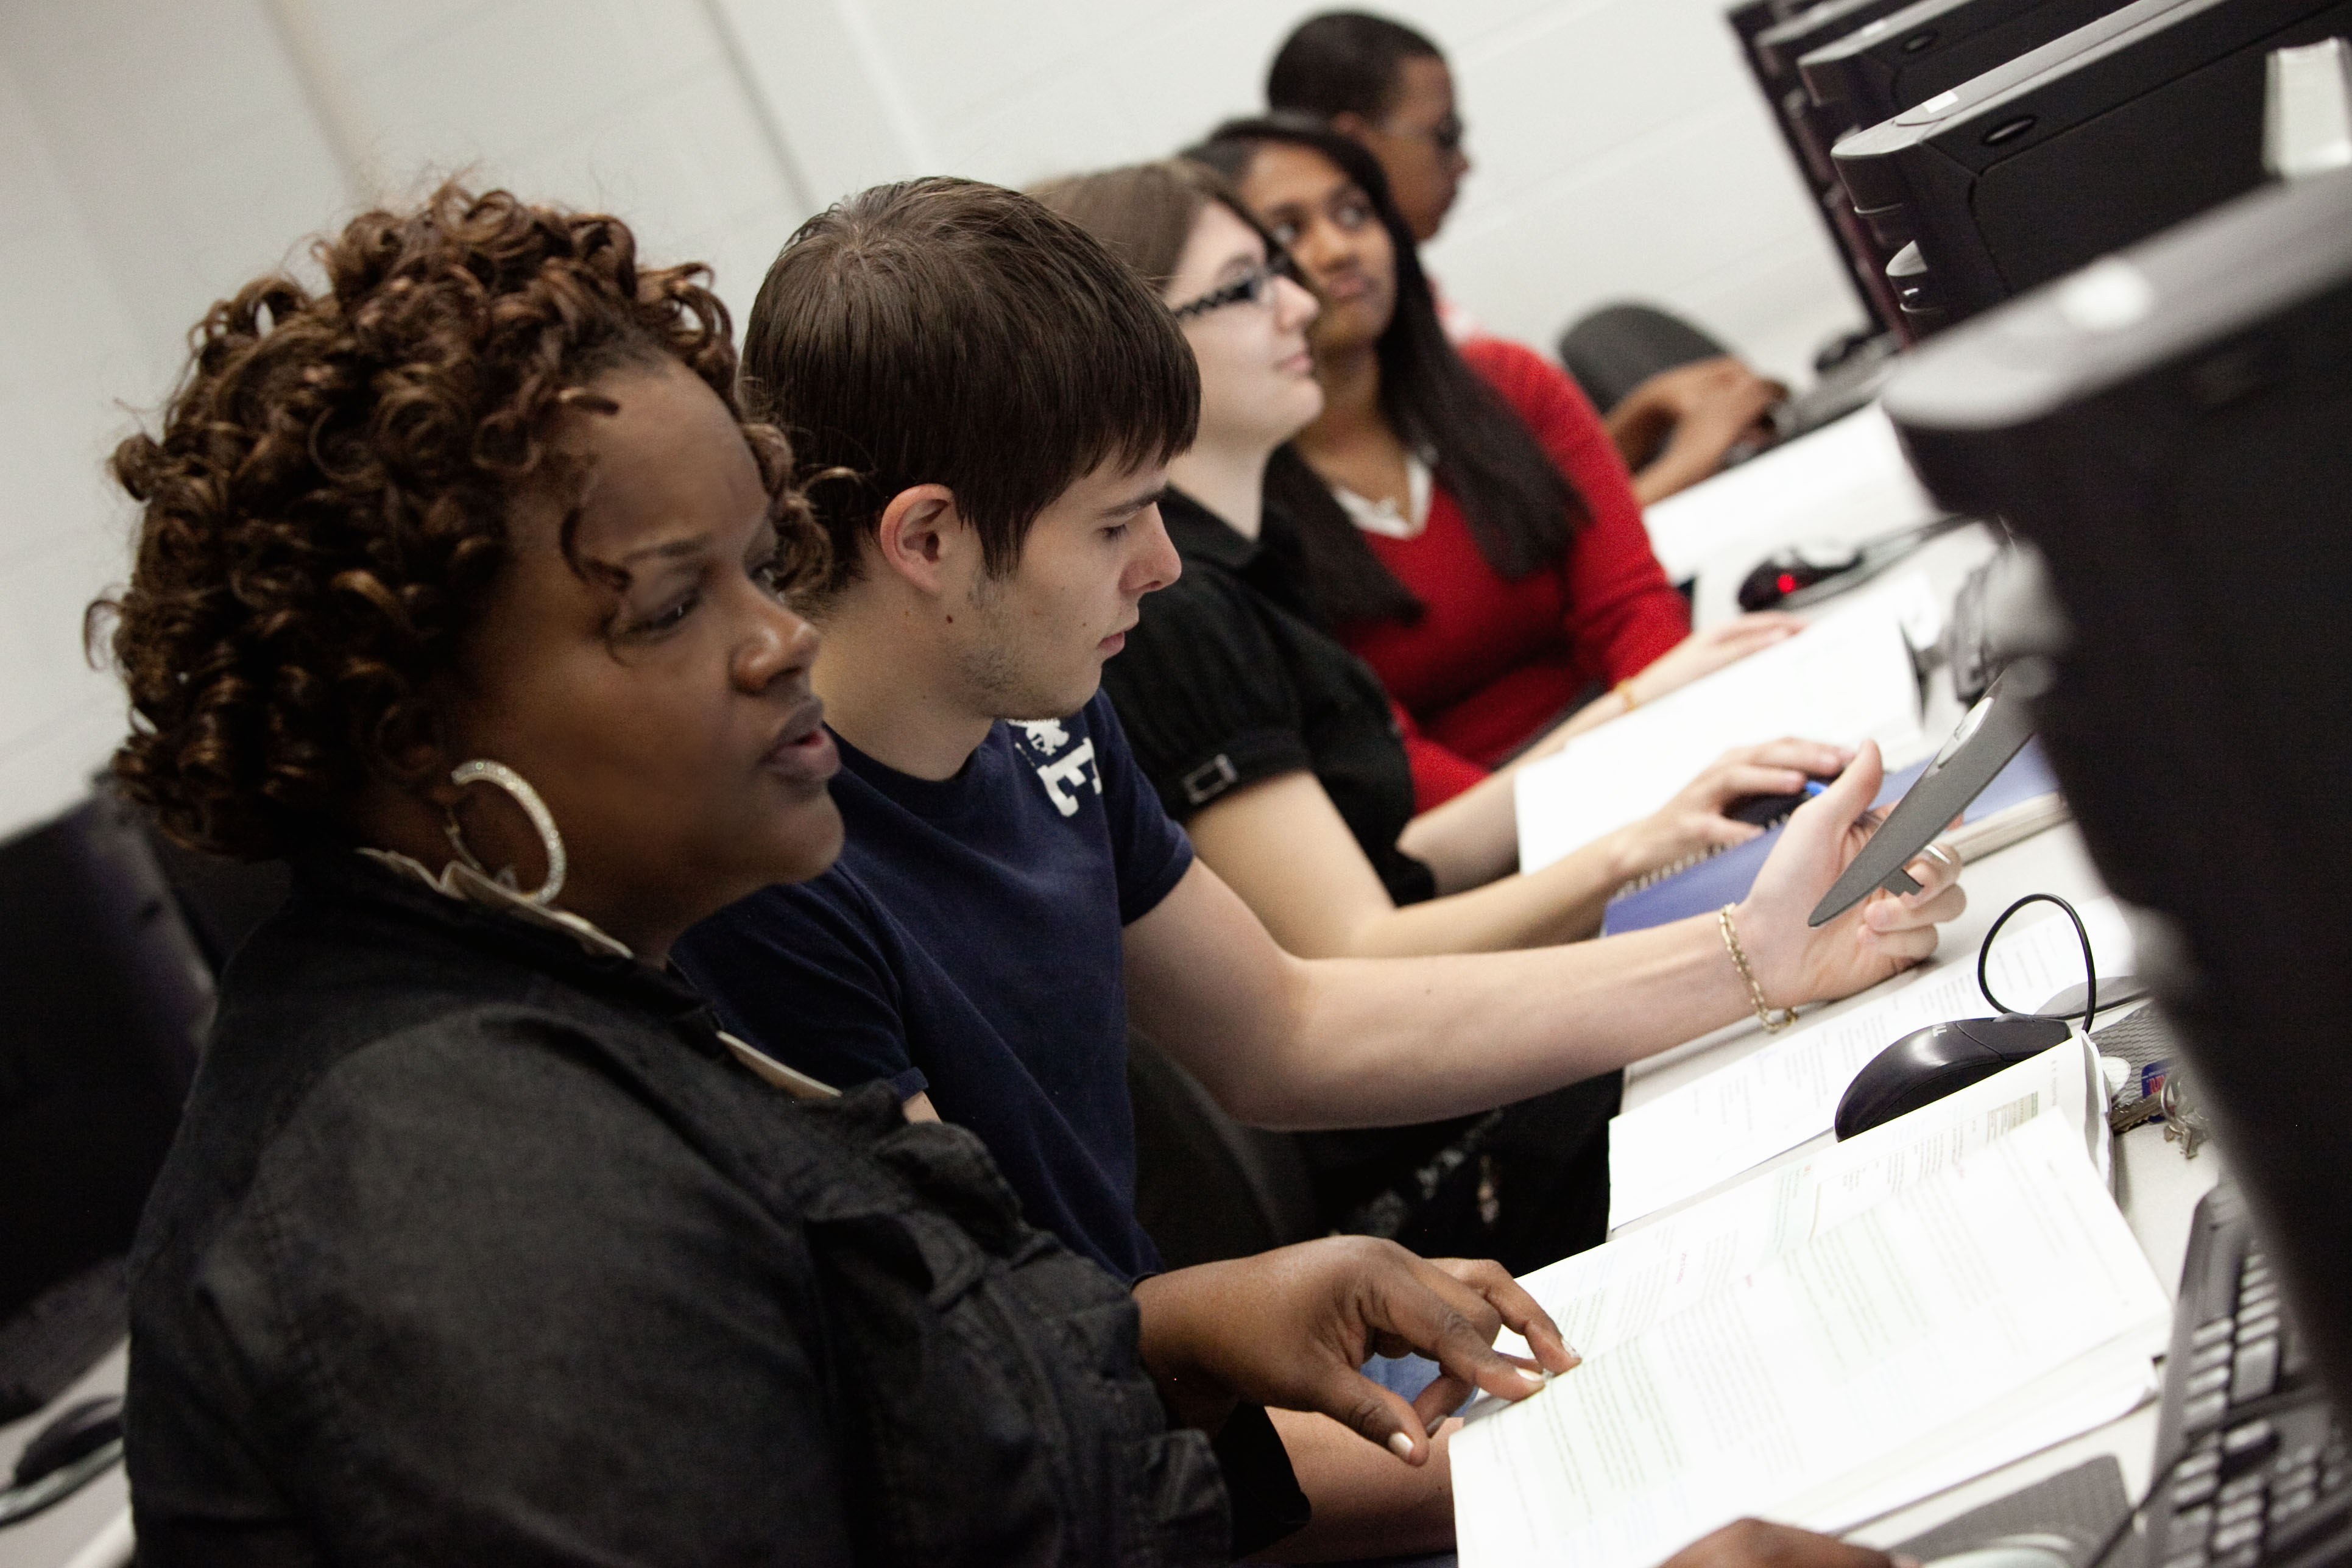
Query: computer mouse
x=1942, y=1058
x=1765, y=810
x=79, y=1430
x=1789, y=570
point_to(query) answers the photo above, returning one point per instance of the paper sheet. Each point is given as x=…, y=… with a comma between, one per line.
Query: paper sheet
x=1605, y=1296
x=1809, y=1378
x=1710, y=1130
x=1847, y=482
x=1845, y=678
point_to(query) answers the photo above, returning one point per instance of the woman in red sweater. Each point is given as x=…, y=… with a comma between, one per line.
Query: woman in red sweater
x=1471, y=530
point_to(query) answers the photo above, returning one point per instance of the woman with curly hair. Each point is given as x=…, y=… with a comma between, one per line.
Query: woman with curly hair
x=462, y=584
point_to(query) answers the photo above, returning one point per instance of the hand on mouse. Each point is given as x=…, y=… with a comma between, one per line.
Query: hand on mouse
x=1673, y=429
x=1693, y=819
x=1752, y=1543
x=1704, y=653
x=1291, y=1329
x=1881, y=936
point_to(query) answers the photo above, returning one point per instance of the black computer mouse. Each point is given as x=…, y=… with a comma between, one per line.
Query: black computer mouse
x=1927, y=1064
x=1790, y=571
x=79, y=1430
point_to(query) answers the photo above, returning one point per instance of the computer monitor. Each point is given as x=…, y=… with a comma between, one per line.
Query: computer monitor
x=2119, y=130
x=102, y=995
x=1902, y=60
x=2172, y=430
x=1772, y=52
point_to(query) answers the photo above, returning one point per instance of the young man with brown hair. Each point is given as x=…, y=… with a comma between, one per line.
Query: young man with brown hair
x=993, y=398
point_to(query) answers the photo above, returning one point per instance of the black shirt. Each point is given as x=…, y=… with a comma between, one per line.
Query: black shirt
x=477, y=1248
x=1225, y=683
x=967, y=944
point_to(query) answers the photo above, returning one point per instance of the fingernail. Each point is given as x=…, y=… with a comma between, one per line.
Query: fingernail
x=1535, y=1379
x=1402, y=1446
x=1901, y=1561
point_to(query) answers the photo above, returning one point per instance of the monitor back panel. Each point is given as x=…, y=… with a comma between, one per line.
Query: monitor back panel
x=2115, y=132
x=1905, y=59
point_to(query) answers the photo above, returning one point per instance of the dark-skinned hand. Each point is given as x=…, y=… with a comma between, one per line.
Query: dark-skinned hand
x=1292, y=1328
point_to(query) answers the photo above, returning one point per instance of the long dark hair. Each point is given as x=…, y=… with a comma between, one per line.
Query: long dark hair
x=1521, y=510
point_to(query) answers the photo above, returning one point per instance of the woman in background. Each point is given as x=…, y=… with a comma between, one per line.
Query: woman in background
x=1469, y=527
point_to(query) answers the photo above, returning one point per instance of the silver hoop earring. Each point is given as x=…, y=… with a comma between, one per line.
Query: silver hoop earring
x=543, y=821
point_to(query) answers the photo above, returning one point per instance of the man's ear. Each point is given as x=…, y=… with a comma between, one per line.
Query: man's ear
x=1351, y=125
x=921, y=536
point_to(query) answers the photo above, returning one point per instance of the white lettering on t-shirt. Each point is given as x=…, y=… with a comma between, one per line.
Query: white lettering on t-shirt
x=1072, y=771
x=1045, y=734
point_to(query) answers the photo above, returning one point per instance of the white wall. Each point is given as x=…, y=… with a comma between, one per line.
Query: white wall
x=155, y=153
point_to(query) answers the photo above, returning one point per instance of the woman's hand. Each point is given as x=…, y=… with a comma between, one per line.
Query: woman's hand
x=1704, y=653
x=1291, y=1329
x=1674, y=428
x=1693, y=821
x=1881, y=936
x=1752, y=1543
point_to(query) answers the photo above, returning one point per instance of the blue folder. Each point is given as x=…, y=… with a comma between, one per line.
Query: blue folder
x=1724, y=878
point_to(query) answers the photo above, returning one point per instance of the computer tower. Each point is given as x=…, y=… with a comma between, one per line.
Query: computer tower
x=1772, y=48
x=1902, y=60
x=2172, y=430
x=2121, y=128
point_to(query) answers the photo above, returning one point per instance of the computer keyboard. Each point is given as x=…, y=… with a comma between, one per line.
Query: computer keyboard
x=2260, y=1472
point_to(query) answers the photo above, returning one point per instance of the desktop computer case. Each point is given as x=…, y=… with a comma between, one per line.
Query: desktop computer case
x=2172, y=431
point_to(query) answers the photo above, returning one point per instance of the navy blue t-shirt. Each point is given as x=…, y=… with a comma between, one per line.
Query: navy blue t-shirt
x=967, y=944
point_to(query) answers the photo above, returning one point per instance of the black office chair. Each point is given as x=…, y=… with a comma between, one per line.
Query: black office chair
x=1206, y=1187
x=106, y=997
x=1618, y=347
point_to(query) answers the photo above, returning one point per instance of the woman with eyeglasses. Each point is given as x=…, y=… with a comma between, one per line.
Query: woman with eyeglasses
x=1467, y=526
x=1277, y=748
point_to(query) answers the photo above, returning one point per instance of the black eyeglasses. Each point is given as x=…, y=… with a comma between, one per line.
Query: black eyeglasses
x=1254, y=287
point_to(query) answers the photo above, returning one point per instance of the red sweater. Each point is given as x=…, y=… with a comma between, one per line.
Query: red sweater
x=1491, y=662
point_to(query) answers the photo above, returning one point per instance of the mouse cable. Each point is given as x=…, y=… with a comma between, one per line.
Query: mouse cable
x=2090, y=964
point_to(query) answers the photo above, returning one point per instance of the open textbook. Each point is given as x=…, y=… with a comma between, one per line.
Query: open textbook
x=1831, y=1340
x=1710, y=1130
x=1846, y=679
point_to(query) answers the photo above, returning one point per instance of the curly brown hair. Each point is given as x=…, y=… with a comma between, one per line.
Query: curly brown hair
x=326, y=507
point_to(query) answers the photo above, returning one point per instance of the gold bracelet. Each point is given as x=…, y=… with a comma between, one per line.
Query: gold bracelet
x=1774, y=1019
x=1625, y=690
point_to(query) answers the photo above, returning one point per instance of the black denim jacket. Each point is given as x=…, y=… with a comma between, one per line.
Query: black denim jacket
x=475, y=1248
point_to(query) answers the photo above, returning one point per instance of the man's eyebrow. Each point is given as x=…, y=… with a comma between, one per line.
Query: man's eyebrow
x=1126, y=507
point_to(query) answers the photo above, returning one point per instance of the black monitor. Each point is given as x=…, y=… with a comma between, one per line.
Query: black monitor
x=1772, y=53
x=1902, y=60
x=2172, y=431
x=102, y=995
x=2119, y=130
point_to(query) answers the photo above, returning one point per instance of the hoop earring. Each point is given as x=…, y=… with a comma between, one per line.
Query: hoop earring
x=543, y=821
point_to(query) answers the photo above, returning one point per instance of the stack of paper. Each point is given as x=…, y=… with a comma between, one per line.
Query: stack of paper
x=1845, y=678
x=1838, y=1337
x=1712, y=1129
